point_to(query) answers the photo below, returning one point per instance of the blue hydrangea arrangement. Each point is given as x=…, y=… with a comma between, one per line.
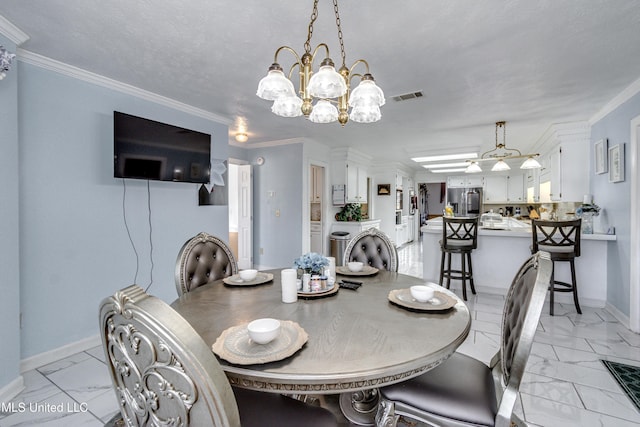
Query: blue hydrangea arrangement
x=311, y=262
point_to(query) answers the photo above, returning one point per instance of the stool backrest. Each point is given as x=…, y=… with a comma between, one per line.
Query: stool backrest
x=556, y=236
x=459, y=232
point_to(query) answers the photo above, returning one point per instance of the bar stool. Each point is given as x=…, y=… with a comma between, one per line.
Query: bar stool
x=562, y=240
x=459, y=236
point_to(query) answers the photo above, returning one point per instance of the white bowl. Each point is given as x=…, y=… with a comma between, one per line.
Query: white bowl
x=248, y=274
x=355, y=266
x=422, y=293
x=263, y=331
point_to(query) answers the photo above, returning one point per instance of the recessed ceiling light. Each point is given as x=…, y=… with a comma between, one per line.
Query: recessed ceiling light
x=445, y=157
x=447, y=170
x=444, y=165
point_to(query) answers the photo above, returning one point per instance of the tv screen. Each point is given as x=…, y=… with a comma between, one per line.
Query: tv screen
x=146, y=149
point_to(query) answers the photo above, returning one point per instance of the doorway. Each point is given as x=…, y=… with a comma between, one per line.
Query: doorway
x=241, y=213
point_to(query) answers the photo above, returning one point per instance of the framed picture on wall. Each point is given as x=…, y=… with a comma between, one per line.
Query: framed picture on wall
x=616, y=163
x=384, y=189
x=600, y=156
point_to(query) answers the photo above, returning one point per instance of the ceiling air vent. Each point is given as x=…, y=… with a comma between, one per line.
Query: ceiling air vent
x=408, y=96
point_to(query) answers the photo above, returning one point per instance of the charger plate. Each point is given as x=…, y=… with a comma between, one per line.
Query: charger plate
x=367, y=270
x=234, y=344
x=439, y=302
x=319, y=294
x=236, y=280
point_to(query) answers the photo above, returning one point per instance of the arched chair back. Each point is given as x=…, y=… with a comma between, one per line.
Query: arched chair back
x=459, y=233
x=373, y=248
x=203, y=259
x=559, y=238
x=164, y=374
x=162, y=371
x=463, y=391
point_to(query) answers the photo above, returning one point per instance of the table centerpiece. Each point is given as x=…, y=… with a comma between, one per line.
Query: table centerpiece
x=312, y=265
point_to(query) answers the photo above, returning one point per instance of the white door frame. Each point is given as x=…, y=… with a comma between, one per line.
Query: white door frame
x=634, y=273
x=245, y=216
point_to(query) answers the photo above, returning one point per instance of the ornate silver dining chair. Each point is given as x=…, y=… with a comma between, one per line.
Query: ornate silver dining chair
x=164, y=374
x=203, y=259
x=373, y=248
x=463, y=391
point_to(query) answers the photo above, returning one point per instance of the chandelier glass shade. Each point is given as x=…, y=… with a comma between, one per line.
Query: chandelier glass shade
x=326, y=90
x=501, y=153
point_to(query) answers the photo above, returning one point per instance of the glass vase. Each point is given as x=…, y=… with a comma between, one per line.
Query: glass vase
x=587, y=222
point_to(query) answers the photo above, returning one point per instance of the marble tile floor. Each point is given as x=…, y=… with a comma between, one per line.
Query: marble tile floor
x=565, y=383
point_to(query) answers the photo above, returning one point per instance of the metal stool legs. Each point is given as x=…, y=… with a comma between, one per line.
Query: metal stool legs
x=565, y=287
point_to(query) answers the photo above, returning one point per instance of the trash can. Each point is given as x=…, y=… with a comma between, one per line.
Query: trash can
x=339, y=241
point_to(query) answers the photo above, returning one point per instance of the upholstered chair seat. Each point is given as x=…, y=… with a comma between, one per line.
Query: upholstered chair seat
x=374, y=248
x=203, y=259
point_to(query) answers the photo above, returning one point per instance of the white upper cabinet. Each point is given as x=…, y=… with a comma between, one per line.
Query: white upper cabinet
x=495, y=188
x=465, y=181
x=356, y=183
x=316, y=184
x=516, y=189
x=565, y=172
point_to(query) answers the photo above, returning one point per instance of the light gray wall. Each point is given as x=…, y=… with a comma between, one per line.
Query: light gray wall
x=613, y=198
x=74, y=248
x=277, y=186
x=9, y=226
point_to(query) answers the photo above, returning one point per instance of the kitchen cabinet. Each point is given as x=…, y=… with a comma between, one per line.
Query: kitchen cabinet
x=495, y=189
x=463, y=181
x=515, y=189
x=316, y=237
x=565, y=171
x=504, y=189
x=316, y=184
x=356, y=183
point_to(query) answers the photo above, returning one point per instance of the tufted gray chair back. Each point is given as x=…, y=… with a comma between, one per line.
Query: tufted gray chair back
x=374, y=248
x=203, y=259
x=162, y=371
x=522, y=309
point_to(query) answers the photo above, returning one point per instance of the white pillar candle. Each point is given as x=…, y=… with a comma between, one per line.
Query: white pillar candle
x=288, y=278
x=587, y=199
x=331, y=270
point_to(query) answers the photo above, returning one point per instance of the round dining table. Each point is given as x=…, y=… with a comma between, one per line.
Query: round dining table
x=358, y=340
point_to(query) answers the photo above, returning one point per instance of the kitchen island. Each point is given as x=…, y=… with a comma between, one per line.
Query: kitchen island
x=502, y=250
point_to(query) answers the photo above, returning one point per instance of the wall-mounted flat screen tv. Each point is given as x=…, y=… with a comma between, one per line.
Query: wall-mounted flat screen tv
x=146, y=149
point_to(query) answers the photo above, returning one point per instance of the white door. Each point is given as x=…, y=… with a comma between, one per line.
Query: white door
x=245, y=217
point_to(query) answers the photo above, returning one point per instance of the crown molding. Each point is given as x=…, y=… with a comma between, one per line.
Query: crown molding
x=265, y=144
x=93, y=78
x=629, y=92
x=12, y=32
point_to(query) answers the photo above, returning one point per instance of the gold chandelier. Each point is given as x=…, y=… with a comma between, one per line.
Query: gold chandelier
x=326, y=87
x=501, y=153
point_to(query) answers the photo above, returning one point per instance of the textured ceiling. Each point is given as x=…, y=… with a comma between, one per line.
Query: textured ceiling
x=530, y=63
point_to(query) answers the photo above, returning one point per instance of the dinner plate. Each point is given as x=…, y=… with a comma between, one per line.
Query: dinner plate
x=439, y=302
x=236, y=280
x=234, y=344
x=367, y=270
x=319, y=294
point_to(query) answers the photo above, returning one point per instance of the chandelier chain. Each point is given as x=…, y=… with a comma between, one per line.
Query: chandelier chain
x=314, y=16
x=343, y=54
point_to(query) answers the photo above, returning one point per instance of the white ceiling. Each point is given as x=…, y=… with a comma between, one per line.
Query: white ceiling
x=530, y=63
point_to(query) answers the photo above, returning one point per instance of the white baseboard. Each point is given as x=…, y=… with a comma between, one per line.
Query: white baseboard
x=47, y=357
x=12, y=389
x=620, y=316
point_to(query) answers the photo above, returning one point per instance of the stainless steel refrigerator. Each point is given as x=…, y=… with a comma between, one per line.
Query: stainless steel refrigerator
x=465, y=201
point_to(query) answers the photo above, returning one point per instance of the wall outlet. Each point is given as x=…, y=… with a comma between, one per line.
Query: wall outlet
x=277, y=212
